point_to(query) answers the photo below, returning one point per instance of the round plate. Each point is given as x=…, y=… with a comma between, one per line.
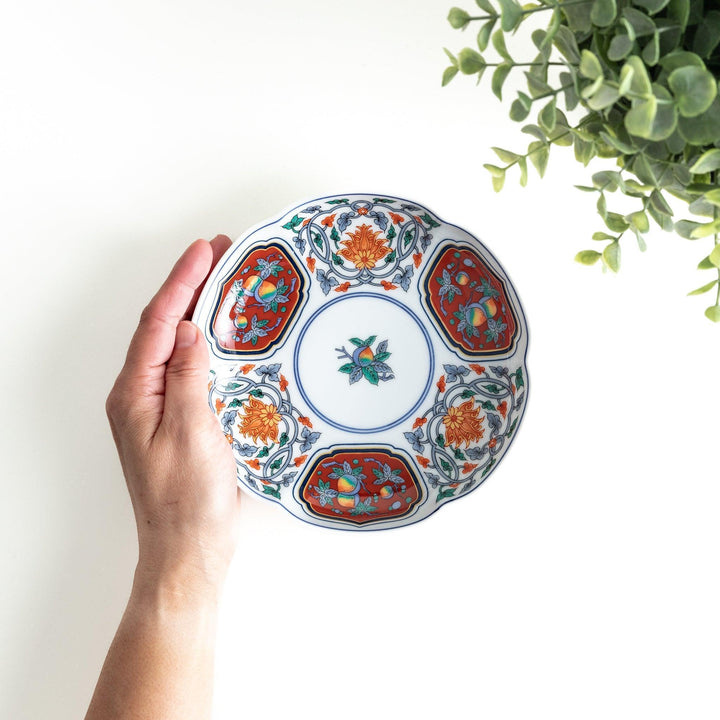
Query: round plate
x=367, y=360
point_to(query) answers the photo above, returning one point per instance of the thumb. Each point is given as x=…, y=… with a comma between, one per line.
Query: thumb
x=186, y=375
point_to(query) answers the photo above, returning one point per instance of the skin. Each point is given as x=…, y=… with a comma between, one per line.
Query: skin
x=180, y=474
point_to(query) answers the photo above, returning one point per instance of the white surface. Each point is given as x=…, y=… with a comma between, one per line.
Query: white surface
x=580, y=582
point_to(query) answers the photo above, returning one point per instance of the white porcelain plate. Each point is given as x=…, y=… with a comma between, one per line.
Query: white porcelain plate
x=367, y=360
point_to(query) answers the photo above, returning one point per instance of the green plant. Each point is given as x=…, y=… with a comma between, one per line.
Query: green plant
x=640, y=77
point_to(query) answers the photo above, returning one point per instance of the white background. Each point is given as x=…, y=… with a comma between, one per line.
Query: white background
x=580, y=582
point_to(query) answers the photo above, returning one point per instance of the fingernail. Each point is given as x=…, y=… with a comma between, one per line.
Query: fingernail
x=185, y=335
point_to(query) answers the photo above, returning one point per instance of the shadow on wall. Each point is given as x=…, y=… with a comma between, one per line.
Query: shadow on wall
x=81, y=577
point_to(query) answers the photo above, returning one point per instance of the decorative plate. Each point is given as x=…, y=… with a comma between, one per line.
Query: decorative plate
x=367, y=360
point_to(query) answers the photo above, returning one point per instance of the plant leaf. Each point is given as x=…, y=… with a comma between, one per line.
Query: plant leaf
x=694, y=89
x=587, y=257
x=611, y=256
x=704, y=288
x=707, y=162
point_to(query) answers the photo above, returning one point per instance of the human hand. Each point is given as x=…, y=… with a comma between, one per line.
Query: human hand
x=178, y=465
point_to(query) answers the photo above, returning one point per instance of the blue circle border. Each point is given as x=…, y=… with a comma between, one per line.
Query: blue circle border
x=348, y=428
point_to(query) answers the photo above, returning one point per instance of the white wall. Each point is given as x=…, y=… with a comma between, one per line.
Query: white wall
x=580, y=582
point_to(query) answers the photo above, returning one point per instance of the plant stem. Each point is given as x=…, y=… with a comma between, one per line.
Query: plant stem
x=529, y=11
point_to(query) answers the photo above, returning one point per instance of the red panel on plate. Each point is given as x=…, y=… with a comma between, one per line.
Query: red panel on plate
x=258, y=302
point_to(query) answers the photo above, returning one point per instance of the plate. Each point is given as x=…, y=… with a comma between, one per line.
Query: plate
x=367, y=360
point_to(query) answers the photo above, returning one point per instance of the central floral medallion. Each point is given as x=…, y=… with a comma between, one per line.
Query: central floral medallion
x=366, y=362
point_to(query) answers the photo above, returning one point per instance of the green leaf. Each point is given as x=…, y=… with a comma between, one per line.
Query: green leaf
x=483, y=36
x=704, y=264
x=520, y=108
x=498, y=176
x=292, y=224
x=651, y=51
x=590, y=66
x=370, y=374
x=707, y=35
x=714, y=256
x=713, y=197
x=522, y=164
x=641, y=116
x=511, y=14
x=707, y=162
x=704, y=288
x=616, y=222
x=603, y=12
x=703, y=129
x=620, y=47
x=680, y=59
x=271, y=490
x=506, y=155
x=498, y=79
x=640, y=84
x=486, y=5
x=347, y=368
x=694, y=89
x=498, y=41
x=584, y=151
x=470, y=61
x=567, y=45
x=370, y=340
x=713, y=313
x=705, y=230
x=659, y=203
x=602, y=236
x=449, y=73
x=357, y=341
x=638, y=221
x=458, y=18
x=587, y=257
x=652, y=6
x=537, y=86
x=685, y=228
x=604, y=97
x=519, y=381
x=539, y=154
x=578, y=16
x=547, y=118
x=611, y=256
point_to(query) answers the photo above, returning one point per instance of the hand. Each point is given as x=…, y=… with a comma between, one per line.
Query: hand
x=178, y=465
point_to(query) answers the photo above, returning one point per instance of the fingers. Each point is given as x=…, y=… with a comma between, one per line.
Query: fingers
x=186, y=377
x=219, y=245
x=154, y=338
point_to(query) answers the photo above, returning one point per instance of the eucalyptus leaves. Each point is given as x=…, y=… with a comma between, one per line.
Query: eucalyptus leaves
x=641, y=79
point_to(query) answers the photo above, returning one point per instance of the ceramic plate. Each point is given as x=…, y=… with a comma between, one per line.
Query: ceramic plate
x=367, y=360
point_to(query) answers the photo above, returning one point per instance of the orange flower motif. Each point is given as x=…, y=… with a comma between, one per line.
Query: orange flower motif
x=283, y=383
x=254, y=463
x=417, y=259
x=463, y=424
x=247, y=368
x=479, y=369
x=388, y=285
x=492, y=443
x=310, y=263
x=502, y=408
x=300, y=460
x=441, y=383
x=328, y=221
x=260, y=421
x=305, y=421
x=419, y=422
x=219, y=405
x=342, y=287
x=468, y=466
x=305, y=222
x=364, y=248
x=362, y=211
x=423, y=461
x=397, y=219
x=229, y=438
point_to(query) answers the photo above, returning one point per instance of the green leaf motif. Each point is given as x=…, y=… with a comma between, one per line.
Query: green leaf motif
x=445, y=493
x=292, y=224
x=391, y=233
x=347, y=368
x=271, y=490
x=370, y=374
